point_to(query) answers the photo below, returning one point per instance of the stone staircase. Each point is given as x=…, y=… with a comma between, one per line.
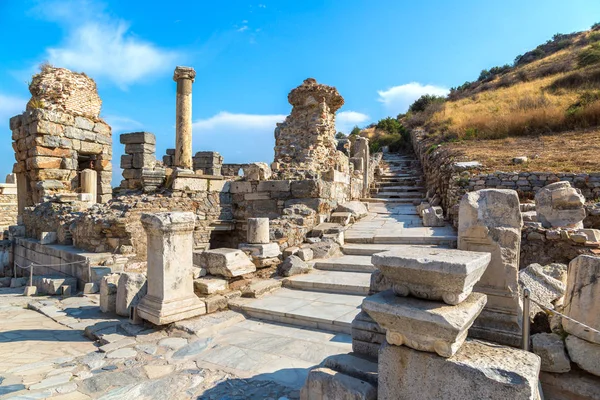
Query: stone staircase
x=330, y=297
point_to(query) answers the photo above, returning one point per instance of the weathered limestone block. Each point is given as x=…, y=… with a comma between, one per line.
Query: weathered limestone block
x=490, y=221
x=257, y=171
x=190, y=183
x=258, y=288
x=433, y=216
x=356, y=208
x=228, y=263
x=327, y=384
x=108, y=293
x=305, y=254
x=210, y=285
x=431, y=273
x=551, y=349
x=170, y=295
x=543, y=287
x=560, y=205
x=261, y=251
x=421, y=324
x=258, y=230
x=479, y=370
x=585, y=354
x=325, y=249
x=48, y=237
x=582, y=298
x=137, y=138
x=131, y=288
x=293, y=265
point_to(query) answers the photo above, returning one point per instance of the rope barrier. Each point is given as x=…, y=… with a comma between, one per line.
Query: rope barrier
x=551, y=312
x=32, y=265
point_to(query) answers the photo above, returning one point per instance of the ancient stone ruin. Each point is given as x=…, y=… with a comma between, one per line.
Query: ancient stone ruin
x=330, y=273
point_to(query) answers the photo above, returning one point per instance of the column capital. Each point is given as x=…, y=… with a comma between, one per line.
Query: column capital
x=184, y=73
x=168, y=222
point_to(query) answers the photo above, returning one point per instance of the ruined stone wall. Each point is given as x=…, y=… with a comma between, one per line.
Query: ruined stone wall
x=546, y=246
x=208, y=163
x=451, y=180
x=8, y=205
x=139, y=165
x=49, y=146
x=305, y=144
x=232, y=169
x=59, y=89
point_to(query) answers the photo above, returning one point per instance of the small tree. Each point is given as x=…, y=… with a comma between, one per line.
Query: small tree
x=340, y=135
x=390, y=125
x=422, y=102
x=355, y=131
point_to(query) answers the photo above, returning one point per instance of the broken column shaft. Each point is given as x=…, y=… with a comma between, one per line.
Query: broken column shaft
x=184, y=76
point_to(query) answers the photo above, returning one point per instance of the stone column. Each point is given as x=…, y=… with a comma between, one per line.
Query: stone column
x=490, y=221
x=258, y=230
x=184, y=76
x=89, y=183
x=21, y=192
x=362, y=150
x=170, y=295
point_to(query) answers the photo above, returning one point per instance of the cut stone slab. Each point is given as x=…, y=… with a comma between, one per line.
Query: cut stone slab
x=210, y=285
x=130, y=290
x=293, y=265
x=434, y=274
x=117, y=345
x=346, y=263
x=173, y=343
x=582, y=298
x=55, y=380
x=108, y=293
x=424, y=325
x=342, y=218
x=325, y=384
x=585, y=354
x=122, y=353
x=551, y=349
x=478, y=371
x=356, y=367
x=356, y=208
x=259, y=288
x=158, y=371
x=267, y=250
x=544, y=288
x=225, y=262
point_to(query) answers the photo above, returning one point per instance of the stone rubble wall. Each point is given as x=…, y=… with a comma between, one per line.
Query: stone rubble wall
x=59, y=89
x=451, y=182
x=232, y=169
x=47, y=147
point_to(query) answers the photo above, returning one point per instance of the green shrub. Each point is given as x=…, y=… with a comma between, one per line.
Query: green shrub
x=355, y=131
x=390, y=125
x=596, y=26
x=340, y=135
x=594, y=37
x=590, y=55
x=422, y=102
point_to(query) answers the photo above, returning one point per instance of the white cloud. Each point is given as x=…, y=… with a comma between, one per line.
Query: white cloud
x=397, y=99
x=243, y=28
x=10, y=106
x=122, y=124
x=102, y=46
x=346, y=120
x=238, y=137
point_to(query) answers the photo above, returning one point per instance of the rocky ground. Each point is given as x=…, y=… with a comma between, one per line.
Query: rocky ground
x=42, y=357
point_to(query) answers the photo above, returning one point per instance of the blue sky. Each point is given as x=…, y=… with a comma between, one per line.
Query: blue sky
x=248, y=55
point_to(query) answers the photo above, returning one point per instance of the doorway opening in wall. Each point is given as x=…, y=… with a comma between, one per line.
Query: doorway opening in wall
x=84, y=161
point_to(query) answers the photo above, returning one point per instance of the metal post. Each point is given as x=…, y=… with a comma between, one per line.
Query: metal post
x=15, y=270
x=31, y=275
x=526, y=304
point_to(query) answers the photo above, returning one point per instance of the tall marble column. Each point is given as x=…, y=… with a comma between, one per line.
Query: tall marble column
x=184, y=76
x=171, y=294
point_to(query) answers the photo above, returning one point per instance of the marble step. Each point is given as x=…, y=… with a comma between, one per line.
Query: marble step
x=307, y=309
x=367, y=249
x=386, y=200
x=400, y=195
x=399, y=209
x=405, y=237
x=348, y=263
x=401, y=188
x=356, y=283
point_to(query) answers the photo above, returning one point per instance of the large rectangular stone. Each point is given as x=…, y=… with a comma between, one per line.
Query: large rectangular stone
x=133, y=148
x=241, y=187
x=190, y=184
x=273, y=186
x=424, y=325
x=137, y=138
x=324, y=383
x=478, y=371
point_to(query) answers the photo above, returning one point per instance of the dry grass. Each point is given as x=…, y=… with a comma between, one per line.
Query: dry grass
x=565, y=152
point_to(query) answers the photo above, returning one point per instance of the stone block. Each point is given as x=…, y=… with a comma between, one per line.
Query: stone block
x=126, y=161
x=560, y=205
x=228, y=263
x=551, y=349
x=210, y=285
x=354, y=366
x=424, y=325
x=134, y=148
x=356, y=208
x=325, y=384
x=48, y=237
x=143, y=160
x=30, y=291
x=190, y=184
x=256, y=289
x=216, y=303
x=273, y=186
x=305, y=254
x=130, y=290
x=257, y=171
x=241, y=187
x=267, y=250
x=342, y=218
x=258, y=230
x=543, y=287
x=432, y=273
x=137, y=138
x=293, y=265
x=433, y=216
x=582, y=298
x=305, y=189
x=478, y=371
x=108, y=293
x=585, y=354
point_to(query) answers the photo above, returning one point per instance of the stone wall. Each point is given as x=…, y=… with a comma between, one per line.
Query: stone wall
x=232, y=169
x=305, y=144
x=208, y=163
x=52, y=147
x=451, y=179
x=140, y=168
x=59, y=89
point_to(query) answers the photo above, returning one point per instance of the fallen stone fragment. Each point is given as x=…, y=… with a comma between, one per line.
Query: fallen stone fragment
x=560, y=205
x=551, y=349
x=225, y=262
x=293, y=265
x=356, y=208
x=131, y=288
x=585, y=354
x=325, y=384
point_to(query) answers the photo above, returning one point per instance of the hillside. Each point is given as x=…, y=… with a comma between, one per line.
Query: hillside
x=545, y=106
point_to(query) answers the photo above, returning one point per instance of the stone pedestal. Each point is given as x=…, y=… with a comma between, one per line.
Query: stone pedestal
x=184, y=76
x=89, y=183
x=258, y=230
x=170, y=295
x=490, y=221
x=362, y=151
x=21, y=192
